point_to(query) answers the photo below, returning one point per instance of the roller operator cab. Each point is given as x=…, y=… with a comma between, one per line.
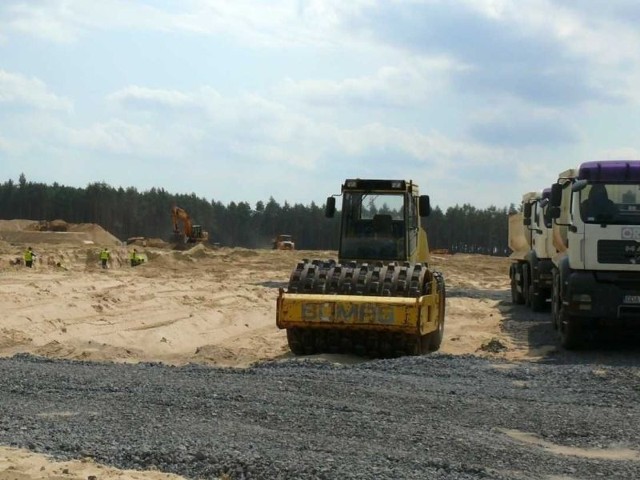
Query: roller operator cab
x=530, y=239
x=380, y=297
x=596, y=276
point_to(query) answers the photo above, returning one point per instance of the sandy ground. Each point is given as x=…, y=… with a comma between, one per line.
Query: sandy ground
x=214, y=306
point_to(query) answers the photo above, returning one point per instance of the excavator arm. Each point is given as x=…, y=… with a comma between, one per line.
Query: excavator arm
x=180, y=215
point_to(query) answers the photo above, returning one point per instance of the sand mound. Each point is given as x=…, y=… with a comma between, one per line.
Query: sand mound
x=56, y=232
x=14, y=225
x=96, y=233
x=199, y=251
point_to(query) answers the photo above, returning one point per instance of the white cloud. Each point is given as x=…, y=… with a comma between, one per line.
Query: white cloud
x=49, y=20
x=611, y=47
x=405, y=85
x=279, y=23
x=65, y=21
x=20, y=90
x=124, y=138
x=519, y=126
x=251, y=128
x=149, y=97
x=618, y=153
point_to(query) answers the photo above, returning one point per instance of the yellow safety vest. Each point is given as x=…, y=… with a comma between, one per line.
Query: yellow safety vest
x=104, y=255
x=28, y=256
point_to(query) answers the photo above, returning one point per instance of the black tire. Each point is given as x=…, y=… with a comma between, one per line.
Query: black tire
x=556, y=301
x=525, y=285
x=295, y=341
x=537, y=300
x=435, y=338
x=308, y=341
x=516, y=297
x=569, y=332
x=569, y=329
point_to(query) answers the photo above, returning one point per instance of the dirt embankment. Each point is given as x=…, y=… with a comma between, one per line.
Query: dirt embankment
x=29, y=232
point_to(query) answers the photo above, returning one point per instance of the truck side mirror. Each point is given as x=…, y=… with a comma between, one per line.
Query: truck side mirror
x=330, y=208
x=555, y=200
x=424, y=206
x=556, y=195
x=527, y=207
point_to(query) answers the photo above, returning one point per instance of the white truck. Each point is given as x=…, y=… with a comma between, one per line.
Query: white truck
x=530, y=239
x=596, y=230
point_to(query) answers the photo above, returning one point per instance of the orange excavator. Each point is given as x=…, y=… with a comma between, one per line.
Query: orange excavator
x=189, y=233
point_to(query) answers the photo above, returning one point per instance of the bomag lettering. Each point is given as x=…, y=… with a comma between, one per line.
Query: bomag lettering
x=348, y=313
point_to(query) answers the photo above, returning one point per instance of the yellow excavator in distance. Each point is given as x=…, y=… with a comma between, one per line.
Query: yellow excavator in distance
x=189, y=233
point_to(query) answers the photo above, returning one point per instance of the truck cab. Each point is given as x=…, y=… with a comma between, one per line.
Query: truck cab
x=596, y=231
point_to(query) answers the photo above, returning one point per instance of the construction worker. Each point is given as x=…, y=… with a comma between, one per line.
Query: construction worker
x=134, y=258
x=28, y=257
x=104, y=257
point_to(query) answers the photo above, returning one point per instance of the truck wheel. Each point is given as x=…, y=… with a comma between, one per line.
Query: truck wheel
x=538, y=302
x=525, y=285
x=556, y=301
x=516, y=296
x=569, y=332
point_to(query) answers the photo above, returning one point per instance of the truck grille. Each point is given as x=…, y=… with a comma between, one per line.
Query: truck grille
x=618, y=251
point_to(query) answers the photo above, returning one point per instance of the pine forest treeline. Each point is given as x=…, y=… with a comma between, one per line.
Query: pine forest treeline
x=127, y=213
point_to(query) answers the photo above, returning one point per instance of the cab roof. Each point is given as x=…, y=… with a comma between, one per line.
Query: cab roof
x=618, y=171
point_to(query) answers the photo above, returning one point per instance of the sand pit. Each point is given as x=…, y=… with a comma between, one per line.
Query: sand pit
x=205, y=305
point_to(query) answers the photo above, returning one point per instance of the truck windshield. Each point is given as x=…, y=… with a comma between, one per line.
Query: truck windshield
x=610, y=203
x=373, y=226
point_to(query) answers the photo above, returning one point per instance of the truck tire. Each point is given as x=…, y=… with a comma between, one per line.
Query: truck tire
x=556, y=301
x=525, y=285
x=516, y=296
x=537, y=300
x=569, y=332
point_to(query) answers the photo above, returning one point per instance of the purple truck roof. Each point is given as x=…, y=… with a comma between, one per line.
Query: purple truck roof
x=546, y=193
x=615, y=171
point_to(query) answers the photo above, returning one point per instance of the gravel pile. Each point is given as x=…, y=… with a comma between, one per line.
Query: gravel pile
x=435, y=417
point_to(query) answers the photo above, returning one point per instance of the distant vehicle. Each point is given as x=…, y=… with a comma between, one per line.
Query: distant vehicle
x=142, y=241
x=283, y=242
x=189, y=233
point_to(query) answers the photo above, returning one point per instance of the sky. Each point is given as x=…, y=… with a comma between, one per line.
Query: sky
x=476, y=101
